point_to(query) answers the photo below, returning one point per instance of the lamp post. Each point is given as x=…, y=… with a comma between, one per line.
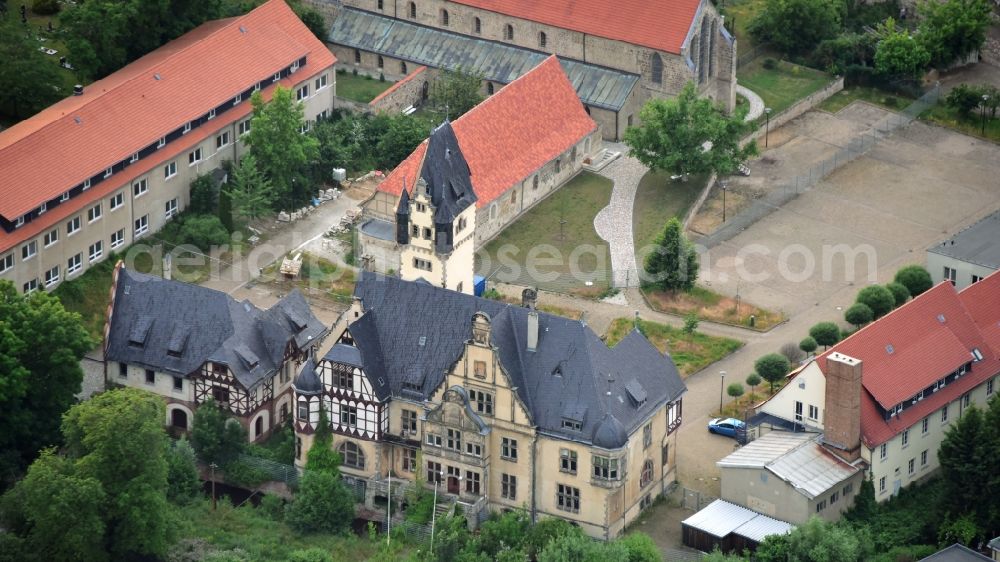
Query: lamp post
x=388, y=515
x=767, y=124
x=986, y=98
x=722, y=391
x=724, y=188
x=213, y=466
x=437, y=479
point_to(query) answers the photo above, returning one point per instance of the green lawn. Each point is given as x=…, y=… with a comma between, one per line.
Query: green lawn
x=971, y=125
x=739, y=14
x=576, y=203
x=657, y=199
x=690, y=353
x=782, y=86
x=360, y=88
x=874, y=96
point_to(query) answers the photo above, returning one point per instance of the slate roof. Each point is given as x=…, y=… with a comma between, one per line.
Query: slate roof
x=218, y=328
x=498, y=62
x=976, y=244
x=510, y=135
x=447, y=176
x=658, y=24
x=80, y=136
x=956, y=553
x=415, y=332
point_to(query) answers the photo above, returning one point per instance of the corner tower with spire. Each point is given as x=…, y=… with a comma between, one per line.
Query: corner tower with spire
x=435, y=218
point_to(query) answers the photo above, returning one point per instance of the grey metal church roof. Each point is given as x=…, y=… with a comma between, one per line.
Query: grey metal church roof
x=597, y=86
x=412, y=333
x=207, y=325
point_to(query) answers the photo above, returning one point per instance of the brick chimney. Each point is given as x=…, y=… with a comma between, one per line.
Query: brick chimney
x=842, y=425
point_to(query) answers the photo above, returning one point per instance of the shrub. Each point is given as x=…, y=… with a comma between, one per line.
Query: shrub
x=322, y=504
x=770, y=63
x=272, y=506
x=45, y=7
x=878, y=298
x=204, y=195
x=859, y=314
x=242, y=474
x=792, y=352
x=963, y=99
x=915, y=278
x=203, y=231
x=837, y=54
x=899, y=292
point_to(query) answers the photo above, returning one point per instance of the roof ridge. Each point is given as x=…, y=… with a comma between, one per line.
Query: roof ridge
x=535, y=69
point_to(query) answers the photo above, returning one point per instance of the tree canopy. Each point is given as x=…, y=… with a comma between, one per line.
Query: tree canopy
x=215, y=436
x=797, y=26
x=859, y=314
x=251, y=192
x=915, y=278
x=899, y=54
x=772, y=367
x=28, y=82
x=825, y=334
x=952, y=28
x=880, y=300
x=35, y=388
x=673, y=263
x=455, y=92
x=674, y=133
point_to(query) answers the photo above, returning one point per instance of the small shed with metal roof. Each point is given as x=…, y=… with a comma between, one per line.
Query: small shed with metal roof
x=730, y=527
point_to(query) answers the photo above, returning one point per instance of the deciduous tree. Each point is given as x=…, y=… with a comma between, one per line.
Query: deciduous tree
x=772, y=367
x=675, y=133
x=673, y=264
x=915, y=278
x=797, y=26
x=283, y=154
x=825, y=334
x=859, y=314
x=808, y=344
x=898, y=53
x=735, y=390
x=321, y=456
x=183, y=483
x=28, y=81
x=753, y=379
x=322, y=504
x=457, y=91
x=899, y=292
x=953, y=28
x=879, y=299
x=215, y=436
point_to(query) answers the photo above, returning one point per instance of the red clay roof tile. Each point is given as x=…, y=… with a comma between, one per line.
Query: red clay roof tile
x=512, y=134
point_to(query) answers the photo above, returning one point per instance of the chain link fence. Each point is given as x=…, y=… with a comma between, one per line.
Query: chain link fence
x=275, y=471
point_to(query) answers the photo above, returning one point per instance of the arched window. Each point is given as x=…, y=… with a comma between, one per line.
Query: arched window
x=508, y=32
x=489, y=88
x=703, y=51
x=444, y=18
x=381, y=63
x=478, y=26
x=656, y=68
x=493, y=211
x=353, y=456
x=647, y=474
x=179, y=418
x=402, y=67
x=258, y=428
x=711, y=48
x=357, y=56
x=542, y=39
x=413, y=10
x=534, y=182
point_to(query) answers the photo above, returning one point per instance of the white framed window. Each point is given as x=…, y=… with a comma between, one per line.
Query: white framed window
x=302, y=93
x=923, y=425
x=295, y=67
x=96, y=250
x=277, y=76
x=976, y=278
x=42, y=208
x=108, y=172
x=74, y=264
x=73, y=225
x=94, y=213
x=7, y=262
x=567, y=498
x=30, y=286
x=881, y=485
x=162, y=142
x=211, y=114
x=140, y=188
x=51, y=237
x=19, y=222
x=194, y=156
x=29, y=250
x=923, y=458
x=238, y=99
x=86, y=184
x=117, y=238
x=813, y=412
x=222, y=140
x=52, y=276
x=117, y=200
x=171, y=208
x=321, y=82
x=187, y=128
x=906, y=437
x=256, y=87
x=304, y=128
x=64, y=197
x=244, y=127
x=141, y=225
x=134, y=158
x=170, y=170
x=883, y=451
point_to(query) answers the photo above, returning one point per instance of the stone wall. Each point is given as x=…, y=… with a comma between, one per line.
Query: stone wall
x=408, y=92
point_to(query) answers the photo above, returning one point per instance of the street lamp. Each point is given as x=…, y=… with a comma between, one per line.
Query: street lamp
x=767, y=124
x=723, y=184
x=722, y=390
x=437, y=479
x=213, y=466
x=986, y=98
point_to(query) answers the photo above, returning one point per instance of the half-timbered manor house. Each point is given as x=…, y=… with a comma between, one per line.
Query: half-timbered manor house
x=504, y=406
x=190, y=344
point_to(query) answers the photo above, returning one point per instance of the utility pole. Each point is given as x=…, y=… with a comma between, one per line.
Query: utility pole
x=388, y=515
x=213, y=466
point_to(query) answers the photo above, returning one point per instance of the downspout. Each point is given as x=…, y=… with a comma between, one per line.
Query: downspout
x=534, y=471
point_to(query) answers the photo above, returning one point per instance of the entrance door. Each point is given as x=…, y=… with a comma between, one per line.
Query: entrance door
x=453, y=487
x=178, y=418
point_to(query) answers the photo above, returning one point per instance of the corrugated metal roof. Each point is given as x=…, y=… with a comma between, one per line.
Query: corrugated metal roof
x=597, y=86
x=761, y=527
x=720, y=518
x=759, y=452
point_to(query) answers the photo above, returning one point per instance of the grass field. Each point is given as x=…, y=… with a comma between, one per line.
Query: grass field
x=874, y=96
x=739, y=14
x=690, y=353
x=657, y=199
x=577, y=202
x=782, y=86
x=712, y=306
x=971, y=125
x=360, y=88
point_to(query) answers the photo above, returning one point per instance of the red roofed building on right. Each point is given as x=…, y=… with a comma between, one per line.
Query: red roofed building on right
x=887, y=394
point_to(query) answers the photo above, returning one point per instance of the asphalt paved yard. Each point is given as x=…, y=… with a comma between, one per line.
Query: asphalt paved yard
x=914, y=188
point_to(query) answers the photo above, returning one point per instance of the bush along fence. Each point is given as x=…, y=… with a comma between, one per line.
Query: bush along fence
x=858, y=146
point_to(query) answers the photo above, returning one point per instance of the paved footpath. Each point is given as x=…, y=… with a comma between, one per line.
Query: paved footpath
x=614, y=222
x=756, y=104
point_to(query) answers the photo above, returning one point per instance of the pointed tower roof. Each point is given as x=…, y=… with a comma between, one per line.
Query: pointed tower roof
x=447, y=175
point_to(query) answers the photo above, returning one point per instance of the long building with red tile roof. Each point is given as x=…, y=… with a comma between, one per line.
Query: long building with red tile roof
x=618, y=54
x=921, y=366
x=521, y=144
x=96, y=171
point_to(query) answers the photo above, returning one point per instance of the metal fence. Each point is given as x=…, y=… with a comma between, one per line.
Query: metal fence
x=857, y=147
x=752, y=54
x=276, y=471
x=693, y=499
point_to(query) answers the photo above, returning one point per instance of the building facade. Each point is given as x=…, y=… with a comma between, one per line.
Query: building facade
x=497, y=406
x=623, y=53
x=514, y=149
x=968, y=257
x=189, y=344
x=879, y=396
x=101, y=170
